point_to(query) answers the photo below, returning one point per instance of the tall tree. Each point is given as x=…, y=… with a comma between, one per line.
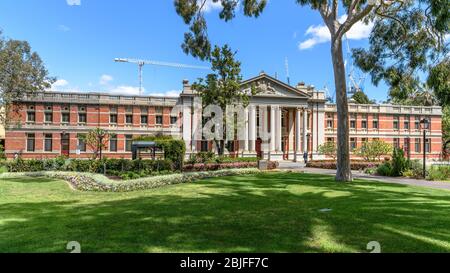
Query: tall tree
x=223, y=87
x=197, y=44
x=361, y=98
x=21, y=71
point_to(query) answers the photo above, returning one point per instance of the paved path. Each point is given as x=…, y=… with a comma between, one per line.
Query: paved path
x=357, y=174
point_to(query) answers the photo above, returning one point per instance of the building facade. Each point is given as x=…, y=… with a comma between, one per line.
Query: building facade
x=281, y=122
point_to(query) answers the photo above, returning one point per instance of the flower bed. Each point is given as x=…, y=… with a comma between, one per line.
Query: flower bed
x=100, y=183
x=354, y=165
x=218, y=166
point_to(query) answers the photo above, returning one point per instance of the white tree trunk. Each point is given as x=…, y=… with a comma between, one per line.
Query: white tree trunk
x=343, y=172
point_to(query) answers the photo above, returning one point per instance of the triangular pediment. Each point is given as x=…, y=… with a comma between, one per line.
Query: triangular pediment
x=267, y=86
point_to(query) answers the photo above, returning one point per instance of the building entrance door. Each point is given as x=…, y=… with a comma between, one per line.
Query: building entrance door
x=258, y=148
x=65, y=144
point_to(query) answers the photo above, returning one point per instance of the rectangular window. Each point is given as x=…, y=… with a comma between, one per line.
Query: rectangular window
x=65, y=118
x=406, y=123
x=113, y=118
x=48, y=143
x=417, y=123
x=30, y=142
x=128, y=142
x=129, y=119
x=173, y=120
x=417, y=146
x=82, y=143
x=375, y=122
x=144, y=119
x=352, y=143
x=159, y=120
x=330, y=139
x=428, y=145
x=395, y=123
x=406, y=145
x=364, y=121
x=82, y=118
x=330, y=120
x=364, y=140
x=113, y=143
x=48, y=117
x=159, y=110
x=31, y=116
x=396, y=143
x=352, y=121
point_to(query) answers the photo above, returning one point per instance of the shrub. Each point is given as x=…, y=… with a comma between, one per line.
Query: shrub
x=373, y=150
x=328, y=164
x=399, y=162
x=439, y=173
x=415, y=169
x=174, y=149
x=385, y=169
x=328, y=149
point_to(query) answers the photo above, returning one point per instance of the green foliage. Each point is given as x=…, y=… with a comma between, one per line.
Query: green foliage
x=373, y=150
x=2, y=152
x=439, y=173
x=414, y=170
x=210, y=157
x=385, y=169
x=174, y=149
x=21, y=71
x=328, y=149
x=97, y=141
x=439, y=81
x=399, y=162
x=196, y=41
x=361, y=98
x=403, y=47
x=112, y=166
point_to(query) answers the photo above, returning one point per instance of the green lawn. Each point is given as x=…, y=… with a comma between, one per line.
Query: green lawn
x=275, y=212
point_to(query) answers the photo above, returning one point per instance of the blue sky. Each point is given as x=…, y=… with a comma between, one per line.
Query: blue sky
x=78, y=40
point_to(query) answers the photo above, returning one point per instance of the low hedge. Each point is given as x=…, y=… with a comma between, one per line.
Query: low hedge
x=100, y=183
x=354, y=165
x=92, y=166
x=218, y=166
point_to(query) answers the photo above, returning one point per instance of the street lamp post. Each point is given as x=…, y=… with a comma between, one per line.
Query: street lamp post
x=425, y=123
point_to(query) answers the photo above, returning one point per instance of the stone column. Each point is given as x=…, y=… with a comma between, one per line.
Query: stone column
x=272, y=128
x=305, y=130
x=297, y=132
x=187, y=129
x=252, y=127
x=278, y=132
x=246, y=130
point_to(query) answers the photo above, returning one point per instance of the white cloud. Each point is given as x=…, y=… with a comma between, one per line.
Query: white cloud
x=320, y=33
x=125, y=90
x=63, y=28
x=210, y=5
x=73, y=2
x=105, y=79
x=171, y=93
x=59, y=84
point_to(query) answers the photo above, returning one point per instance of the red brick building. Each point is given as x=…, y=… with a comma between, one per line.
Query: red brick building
x=297, y=120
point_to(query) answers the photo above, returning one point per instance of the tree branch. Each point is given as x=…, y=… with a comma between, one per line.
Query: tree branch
x=334, y=11
x=351, y=20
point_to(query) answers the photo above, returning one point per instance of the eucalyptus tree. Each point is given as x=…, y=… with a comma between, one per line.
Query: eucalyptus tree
x=22, y=72
x=196, y=42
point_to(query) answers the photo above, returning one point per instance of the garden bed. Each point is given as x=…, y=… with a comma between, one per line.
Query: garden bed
x=354, y=165
x=101, y=183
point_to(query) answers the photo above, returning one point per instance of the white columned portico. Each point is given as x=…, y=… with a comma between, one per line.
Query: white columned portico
x=305, y=130
x=252, y=128
x=297, y=133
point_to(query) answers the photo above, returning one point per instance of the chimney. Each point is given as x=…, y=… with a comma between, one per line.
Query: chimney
x=186, y=87
x=300, y=85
